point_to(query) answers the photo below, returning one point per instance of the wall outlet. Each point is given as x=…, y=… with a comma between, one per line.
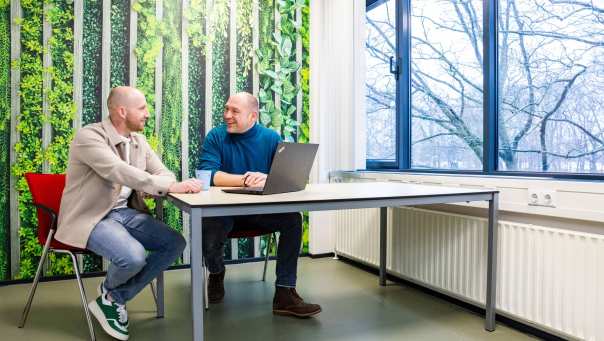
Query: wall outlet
x=539, y=197
x=533, y=197
x=548, y=198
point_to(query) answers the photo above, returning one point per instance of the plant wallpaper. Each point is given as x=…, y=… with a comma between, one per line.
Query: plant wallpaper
x=216, y=38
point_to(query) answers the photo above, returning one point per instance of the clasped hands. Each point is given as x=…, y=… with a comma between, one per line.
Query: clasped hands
x=187, y=186
x=254, y=179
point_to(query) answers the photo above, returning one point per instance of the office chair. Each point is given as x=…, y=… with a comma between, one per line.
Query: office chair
x=46, y=191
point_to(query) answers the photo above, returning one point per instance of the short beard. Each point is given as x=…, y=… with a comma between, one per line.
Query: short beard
x=133, y=127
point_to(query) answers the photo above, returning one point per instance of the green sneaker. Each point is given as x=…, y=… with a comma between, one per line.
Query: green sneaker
x=111, y=316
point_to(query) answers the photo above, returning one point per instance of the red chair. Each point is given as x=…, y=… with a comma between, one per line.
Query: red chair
x=46, y=191
x=234, y=234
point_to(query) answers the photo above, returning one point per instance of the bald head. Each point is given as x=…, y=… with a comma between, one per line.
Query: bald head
x=123, y=96
x=127, y=109
x=240, y=112
x=250, y=100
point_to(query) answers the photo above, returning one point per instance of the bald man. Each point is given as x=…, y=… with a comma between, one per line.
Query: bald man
x=239, y=153
x=111, y=168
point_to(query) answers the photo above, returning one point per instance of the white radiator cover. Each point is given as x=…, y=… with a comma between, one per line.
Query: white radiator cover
x=548, y=277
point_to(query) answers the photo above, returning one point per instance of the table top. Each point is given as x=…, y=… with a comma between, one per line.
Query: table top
x=332, y=192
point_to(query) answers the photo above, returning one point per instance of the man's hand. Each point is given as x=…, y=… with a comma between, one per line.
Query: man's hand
x=187, y=186
x=254, y=179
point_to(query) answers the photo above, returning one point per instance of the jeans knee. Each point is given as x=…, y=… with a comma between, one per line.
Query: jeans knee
x=134, y=261
x=179, y=243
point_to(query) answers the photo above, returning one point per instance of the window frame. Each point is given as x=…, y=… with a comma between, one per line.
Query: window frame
x=490, y=46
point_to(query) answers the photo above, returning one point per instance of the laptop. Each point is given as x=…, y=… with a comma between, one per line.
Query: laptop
x=289, y=170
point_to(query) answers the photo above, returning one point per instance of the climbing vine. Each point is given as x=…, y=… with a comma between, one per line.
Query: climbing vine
x=171, y=101
x=265, y=64
x=304, y=136
x=28, y=150
x=60, y=101
x=305, y=74
x=197, y=51
x=285, y=75
x=91, y=83
x=4, y=137
x=220, y=58
x=120, y=12
x=244, y=46
x=148, y=46
x=91, y=63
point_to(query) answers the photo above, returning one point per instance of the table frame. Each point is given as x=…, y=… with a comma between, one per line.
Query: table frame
x=196, y=214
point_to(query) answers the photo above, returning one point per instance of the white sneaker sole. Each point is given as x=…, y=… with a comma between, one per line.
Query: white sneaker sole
x=100, y=317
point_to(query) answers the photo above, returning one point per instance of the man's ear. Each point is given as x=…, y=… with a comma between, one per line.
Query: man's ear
x=254, y=116
x=122, y=111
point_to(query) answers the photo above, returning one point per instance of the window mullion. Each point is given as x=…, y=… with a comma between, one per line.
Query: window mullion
x=403, y=85
x=490, y=86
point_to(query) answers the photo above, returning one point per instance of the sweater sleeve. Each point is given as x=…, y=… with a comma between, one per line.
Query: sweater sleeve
x=211, y=156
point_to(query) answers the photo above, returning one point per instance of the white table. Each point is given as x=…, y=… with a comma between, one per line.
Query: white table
x=214, y=203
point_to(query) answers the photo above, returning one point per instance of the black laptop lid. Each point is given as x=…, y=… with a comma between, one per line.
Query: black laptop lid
x=290, y=167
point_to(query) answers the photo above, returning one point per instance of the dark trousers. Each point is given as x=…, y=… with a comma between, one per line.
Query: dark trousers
x=289, y=226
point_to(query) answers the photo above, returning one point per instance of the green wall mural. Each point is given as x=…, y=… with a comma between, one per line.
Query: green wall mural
x=198, y=44
x=221, y=73
x=29, y=153
x=4, y=138
x=172, y=101
x=91, y=42
x=92, y=36
x=120, y=19
x=220, y=58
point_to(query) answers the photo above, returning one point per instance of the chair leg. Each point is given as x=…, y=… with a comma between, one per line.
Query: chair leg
x=32, y=290
x=153, y=292
x=83, y=296
x=268, y=249
x=206, y=275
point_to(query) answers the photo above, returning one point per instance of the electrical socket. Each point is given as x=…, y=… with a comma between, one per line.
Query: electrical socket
x=539, y=197
x=533, y=197
x=548, y=198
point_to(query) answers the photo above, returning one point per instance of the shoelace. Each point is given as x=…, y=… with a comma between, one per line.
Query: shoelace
x=122, y=313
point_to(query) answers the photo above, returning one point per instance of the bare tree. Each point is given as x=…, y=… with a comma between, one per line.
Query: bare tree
x=551, y=72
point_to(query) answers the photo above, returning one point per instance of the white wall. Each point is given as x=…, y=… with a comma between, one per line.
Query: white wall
x=337, y=124
x=549, y=271
x=336, y=99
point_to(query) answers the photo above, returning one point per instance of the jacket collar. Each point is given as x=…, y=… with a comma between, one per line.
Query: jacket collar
x=114, y=137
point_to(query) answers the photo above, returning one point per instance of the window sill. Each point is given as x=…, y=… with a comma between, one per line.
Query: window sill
x=571, y=199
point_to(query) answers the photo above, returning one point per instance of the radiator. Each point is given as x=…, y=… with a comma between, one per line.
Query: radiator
x=547, y=277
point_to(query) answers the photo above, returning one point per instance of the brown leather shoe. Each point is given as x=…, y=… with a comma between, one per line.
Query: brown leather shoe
x=288, y=302
x=216, y=287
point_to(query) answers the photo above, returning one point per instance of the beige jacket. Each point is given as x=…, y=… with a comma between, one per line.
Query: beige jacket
x=95, y=175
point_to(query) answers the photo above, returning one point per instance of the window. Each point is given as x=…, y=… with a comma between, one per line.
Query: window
x=380, y=86
x=551, y=80
x=446, y=84
x=533, y=78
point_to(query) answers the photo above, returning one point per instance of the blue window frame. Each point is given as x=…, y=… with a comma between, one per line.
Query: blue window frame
x=545, y=144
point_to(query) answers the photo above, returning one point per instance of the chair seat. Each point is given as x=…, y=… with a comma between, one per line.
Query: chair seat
x=57, y=245
x=241, y=233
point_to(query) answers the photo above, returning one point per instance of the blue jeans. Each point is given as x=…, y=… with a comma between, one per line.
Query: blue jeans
x=289, y=226
x=122, y=237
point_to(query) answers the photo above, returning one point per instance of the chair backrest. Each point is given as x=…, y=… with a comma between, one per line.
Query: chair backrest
x=47, y=190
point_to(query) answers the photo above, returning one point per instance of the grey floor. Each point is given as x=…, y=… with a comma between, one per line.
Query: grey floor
x=354, y=308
